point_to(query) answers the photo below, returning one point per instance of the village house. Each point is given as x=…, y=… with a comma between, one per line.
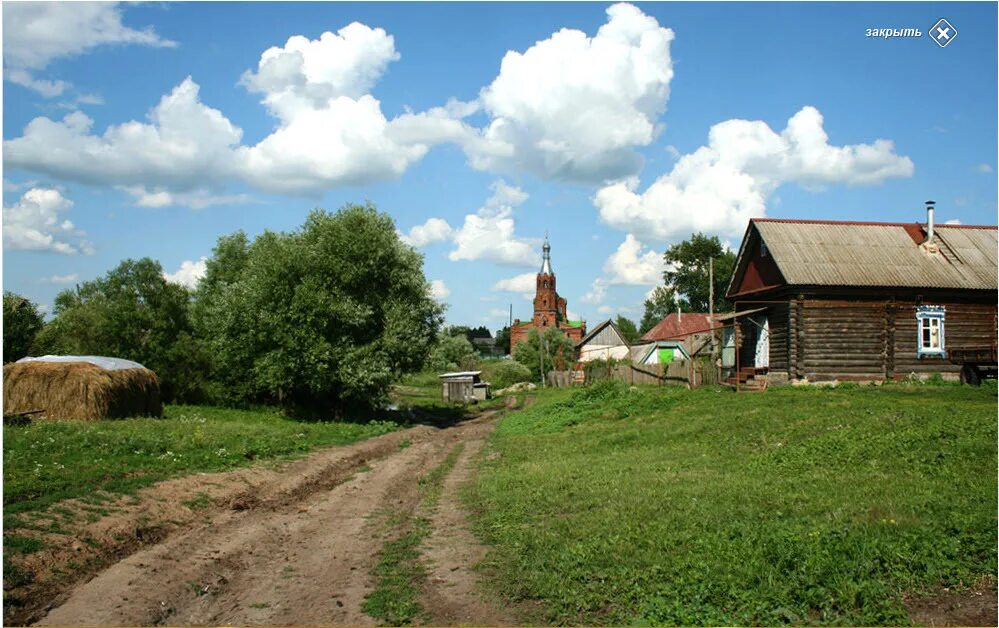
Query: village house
x=549, y=308
x=672, y=342
x=823, y=300
x=604, y=342
x=691, y=329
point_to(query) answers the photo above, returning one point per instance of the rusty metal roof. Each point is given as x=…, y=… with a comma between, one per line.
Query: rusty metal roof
x=881, y=255
x=679, y=326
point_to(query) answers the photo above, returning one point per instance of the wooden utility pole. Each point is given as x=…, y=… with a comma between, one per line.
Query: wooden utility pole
x=541, y=355
x=711, y=302
x=509, y=333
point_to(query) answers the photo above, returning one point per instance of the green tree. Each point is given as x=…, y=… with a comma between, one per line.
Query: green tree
x=452, y=352
x=221, y=270
x=457, y=330
x=132, y=313
x=21, y=323
x=660, y=303
x=478, y=332
x=686, y=279
x=503, y=340
x=687, y=272
x=327, y=316
x=627, y=328
x=558, y=352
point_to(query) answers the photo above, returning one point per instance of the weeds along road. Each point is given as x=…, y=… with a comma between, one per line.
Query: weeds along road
x=301, y=547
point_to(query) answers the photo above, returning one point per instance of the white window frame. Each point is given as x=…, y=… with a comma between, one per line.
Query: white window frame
x=928, y=317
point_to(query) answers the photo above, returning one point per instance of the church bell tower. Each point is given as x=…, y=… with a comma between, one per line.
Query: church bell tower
x=549, y=308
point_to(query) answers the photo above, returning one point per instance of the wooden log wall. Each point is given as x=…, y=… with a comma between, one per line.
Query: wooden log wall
x=780, y=337
x=843, y=339
x=965, y=325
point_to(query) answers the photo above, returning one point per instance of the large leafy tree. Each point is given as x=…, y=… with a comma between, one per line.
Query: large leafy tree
x=558, y=351
x=21, y=323
x=687, y=272
x=687, y=277
x=132, y=313
x=326, y=316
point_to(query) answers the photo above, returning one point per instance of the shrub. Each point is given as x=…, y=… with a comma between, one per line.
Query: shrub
x=451, y=353
x=503, y=373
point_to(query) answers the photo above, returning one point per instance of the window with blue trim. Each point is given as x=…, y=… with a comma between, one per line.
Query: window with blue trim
x=930, y=327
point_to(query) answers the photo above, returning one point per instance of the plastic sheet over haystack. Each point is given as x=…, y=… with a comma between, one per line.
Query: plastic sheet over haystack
x=108, y=364
x=79, y=390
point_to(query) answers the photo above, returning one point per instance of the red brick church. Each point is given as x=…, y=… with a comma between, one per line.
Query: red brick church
x=549, y=308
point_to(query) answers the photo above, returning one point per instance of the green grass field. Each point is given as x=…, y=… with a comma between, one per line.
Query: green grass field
x=46, y=462
x=797, y=506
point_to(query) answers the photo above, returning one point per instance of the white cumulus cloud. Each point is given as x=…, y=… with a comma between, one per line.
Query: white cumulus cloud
x=571, y=107
x=523, y=284
x=433, y=230
x=36, y=223
x=329, y=131
x=439, y=290
x=36, y=33
x=343, y=143
x=184, y=145
x=489, y=235
x=575, y=107
x=629, y=265
x=719, y=187
x=485, y=235
x=332, y=130
x=189, y=273
x=307, y=74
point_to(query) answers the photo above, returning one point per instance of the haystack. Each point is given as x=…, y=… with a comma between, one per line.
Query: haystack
x=79, y=391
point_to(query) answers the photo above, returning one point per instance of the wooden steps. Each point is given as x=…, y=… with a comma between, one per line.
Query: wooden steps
x=749, y=379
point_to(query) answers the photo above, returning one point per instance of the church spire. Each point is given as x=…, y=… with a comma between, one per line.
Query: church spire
x=546, y=265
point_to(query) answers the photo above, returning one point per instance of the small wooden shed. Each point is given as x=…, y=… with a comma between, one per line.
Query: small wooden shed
x=464, y=387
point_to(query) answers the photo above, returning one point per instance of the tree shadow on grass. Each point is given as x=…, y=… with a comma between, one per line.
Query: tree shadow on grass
x=437, y=415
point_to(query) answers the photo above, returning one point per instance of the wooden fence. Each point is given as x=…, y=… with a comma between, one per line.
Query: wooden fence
x=689, y=373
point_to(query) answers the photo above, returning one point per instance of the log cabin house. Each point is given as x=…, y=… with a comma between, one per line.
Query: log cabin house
x=821, y=300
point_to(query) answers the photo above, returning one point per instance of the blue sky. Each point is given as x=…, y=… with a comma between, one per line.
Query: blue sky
x=620, y=129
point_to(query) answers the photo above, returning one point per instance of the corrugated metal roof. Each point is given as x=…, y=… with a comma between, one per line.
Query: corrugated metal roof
x=881, y=255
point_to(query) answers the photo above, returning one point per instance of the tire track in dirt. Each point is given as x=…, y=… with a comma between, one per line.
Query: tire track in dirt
x=452, y=594
x=297, y=550
x=158, y=512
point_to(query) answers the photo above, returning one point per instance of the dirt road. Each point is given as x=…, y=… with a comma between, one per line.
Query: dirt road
x=297, y=545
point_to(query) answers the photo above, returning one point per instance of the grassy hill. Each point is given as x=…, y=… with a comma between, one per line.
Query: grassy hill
x=610, y=505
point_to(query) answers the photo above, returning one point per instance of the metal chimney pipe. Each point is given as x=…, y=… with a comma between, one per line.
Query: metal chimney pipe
x=929, y=220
